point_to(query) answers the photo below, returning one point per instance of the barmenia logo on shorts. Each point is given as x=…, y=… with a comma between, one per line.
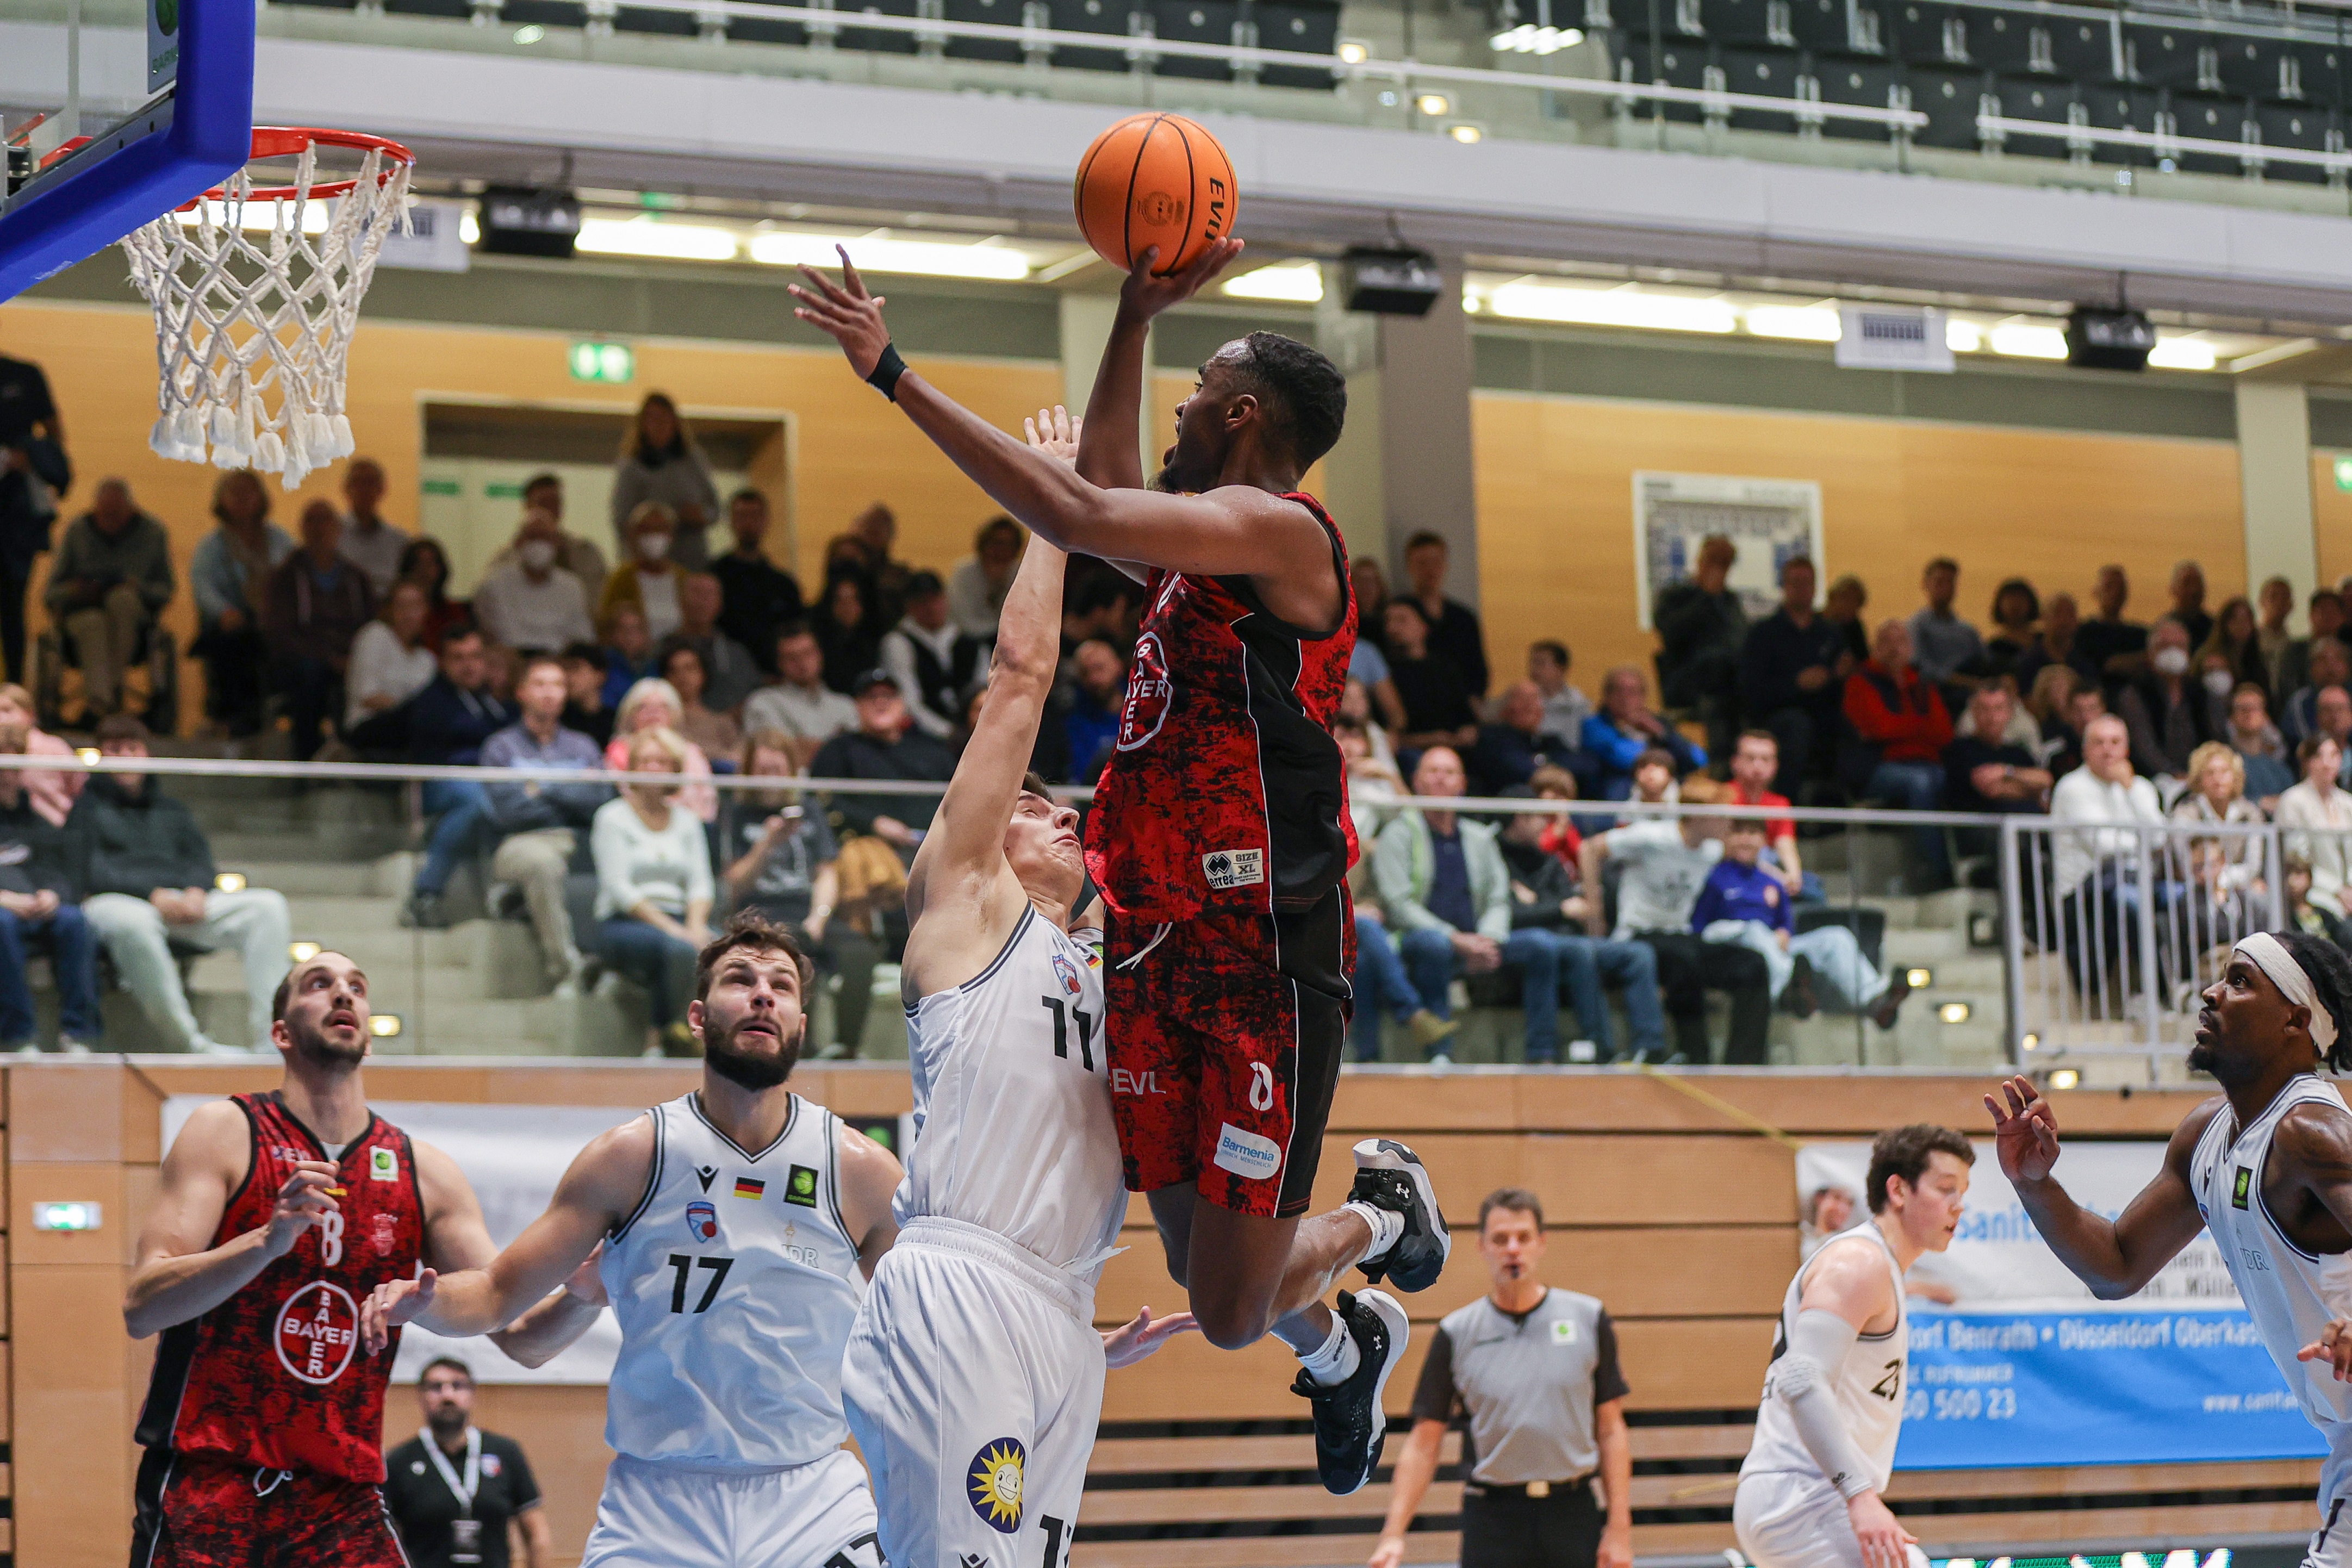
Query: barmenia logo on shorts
x=1246, y=1154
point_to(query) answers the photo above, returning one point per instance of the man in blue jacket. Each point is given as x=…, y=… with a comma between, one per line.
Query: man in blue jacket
x=447, y=724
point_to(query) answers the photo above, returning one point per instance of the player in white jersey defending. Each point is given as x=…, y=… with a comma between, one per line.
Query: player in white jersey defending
x=2266, y=1165
x=1810, y=1491
x=739, y=1223
x=974, y=1377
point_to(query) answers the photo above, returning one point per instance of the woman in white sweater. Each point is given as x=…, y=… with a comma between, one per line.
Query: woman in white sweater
x=654, y=888
x=390, y=663
x=2318, y=816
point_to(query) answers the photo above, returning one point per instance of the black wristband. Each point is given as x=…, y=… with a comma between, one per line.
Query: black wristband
x=886, y=372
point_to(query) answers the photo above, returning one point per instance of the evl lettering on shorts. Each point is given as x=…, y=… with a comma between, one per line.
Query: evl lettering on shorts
x=1125, y=1080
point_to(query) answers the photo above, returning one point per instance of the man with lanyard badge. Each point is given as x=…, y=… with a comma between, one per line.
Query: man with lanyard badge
x=452, y=1488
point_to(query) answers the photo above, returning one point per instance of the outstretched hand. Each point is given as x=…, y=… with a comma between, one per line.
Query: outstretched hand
x=1145, y=295
x=1053, y=432
x=393, y=1303
x=846, y=313
x=2025, y=1134
x=2334, y=1346
x=1126, y=1346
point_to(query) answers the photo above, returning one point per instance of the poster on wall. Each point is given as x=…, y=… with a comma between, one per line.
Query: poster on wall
x=512, y=1155
x=2025, y=1368
x=1770, y=522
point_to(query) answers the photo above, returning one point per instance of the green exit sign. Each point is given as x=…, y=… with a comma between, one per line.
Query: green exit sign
x=2344, y=473
x=604, y=361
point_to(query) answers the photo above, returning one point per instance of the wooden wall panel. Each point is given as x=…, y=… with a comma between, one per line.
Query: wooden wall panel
x=2331, y=519
x=72, y=1505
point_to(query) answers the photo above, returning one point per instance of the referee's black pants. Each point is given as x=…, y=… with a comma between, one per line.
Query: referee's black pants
x=1512, y=1530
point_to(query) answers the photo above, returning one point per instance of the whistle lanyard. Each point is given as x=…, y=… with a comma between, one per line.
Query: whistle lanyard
x=464, y=1486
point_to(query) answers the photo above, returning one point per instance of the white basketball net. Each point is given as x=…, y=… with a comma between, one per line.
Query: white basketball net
x=245, y=320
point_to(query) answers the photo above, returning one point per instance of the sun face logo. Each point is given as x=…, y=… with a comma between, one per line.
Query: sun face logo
x=1067, y=973
x=996, y=1485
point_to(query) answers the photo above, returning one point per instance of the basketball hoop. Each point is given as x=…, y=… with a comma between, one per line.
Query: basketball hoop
x=240, y=314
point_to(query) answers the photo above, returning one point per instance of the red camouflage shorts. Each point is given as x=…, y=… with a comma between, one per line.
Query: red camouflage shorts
x=1226, y=1033
x=200, y=1511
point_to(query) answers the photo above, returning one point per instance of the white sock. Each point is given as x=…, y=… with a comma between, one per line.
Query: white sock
x=1387, y=1226
x=1335, y=1360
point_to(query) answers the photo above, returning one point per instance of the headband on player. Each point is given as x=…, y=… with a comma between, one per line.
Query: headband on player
x=2270, y=955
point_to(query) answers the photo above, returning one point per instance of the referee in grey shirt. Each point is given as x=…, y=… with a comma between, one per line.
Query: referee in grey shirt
x=1533, y=1370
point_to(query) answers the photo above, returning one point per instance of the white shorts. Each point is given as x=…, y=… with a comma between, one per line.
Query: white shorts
x=974, y=1381
x=1787, y=1519
x=655, y=1514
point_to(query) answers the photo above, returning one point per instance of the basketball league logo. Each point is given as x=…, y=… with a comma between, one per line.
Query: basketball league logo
x=1068, y=974
x=702, y=1221
x=1150, y=693
x=996, y=1485
x=317, y=1327
x=1156, y=207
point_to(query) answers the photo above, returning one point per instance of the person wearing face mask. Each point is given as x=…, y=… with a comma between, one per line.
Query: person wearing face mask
x=649, y=579
x=660, y=464
x=528, y=603
x=2167, y=710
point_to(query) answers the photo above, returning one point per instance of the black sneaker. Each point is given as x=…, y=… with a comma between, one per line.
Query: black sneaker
x=1349, y=1425
x=1390, y=1176
x=1798, y=998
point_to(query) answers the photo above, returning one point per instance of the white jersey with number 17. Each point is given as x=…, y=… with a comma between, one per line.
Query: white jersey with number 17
x=1013, y=1115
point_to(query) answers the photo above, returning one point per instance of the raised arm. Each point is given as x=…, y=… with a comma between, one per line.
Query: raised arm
x=456, y=1239
x=1111, y=448
x=2115, y=1258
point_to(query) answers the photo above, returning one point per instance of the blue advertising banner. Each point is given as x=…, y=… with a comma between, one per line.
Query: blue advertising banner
x=2015, y=1363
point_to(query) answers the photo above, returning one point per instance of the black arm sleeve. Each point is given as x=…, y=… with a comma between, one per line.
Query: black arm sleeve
x=1608, y=1378
x=1433, y=1397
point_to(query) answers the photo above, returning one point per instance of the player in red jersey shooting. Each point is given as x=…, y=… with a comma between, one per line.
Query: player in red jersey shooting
x=1220, y=837
x=279, y=1214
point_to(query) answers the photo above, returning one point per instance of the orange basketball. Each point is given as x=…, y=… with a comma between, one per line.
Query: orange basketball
x=1155, y=179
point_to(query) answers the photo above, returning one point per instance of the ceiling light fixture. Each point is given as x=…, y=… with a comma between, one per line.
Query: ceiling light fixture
x=1962, y=337
x=1526, y=38
x=1807, y=323
x=2182, y=354
x=2029, y=340
x=1611, y=307
x=1466, y=133
x=1433, y=104
x=1293, y=282
x=1354, y=51
x=920, y=258
x=655, y=241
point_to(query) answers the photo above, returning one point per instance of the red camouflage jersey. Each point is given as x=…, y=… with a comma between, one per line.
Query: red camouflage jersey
x=1224, y=789
x=275, y=1376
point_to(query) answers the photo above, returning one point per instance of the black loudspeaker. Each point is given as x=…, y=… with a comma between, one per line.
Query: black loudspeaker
x=2099, y=339
x=1391, y=282
x=519, y=222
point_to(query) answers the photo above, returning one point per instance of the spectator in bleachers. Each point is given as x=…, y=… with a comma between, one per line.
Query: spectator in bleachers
x=390, y=664
x=2053, y=687
x=1368, y=667
x=2334, y=720
x=52, y=790
x=40, y=908
x=885, y=745
x=654, y=703
x=2059, y=642
x=2236, y=644
x=780, y=858
x=877, y=529
x=316, y=604
x=1372, y=784
x=757, y=597
x=628, y=654
x=2188, y=589
x=1654, y=782
x=34, y=472
x=1433, y=689
x=2317, y=815
x=1565, y=707
x=584, y=708
x=2217, y=792
x=1446, y=892
x=799, y=705
x=1987, y=771
x=448, y=722
x=712, y=730
x=648, y=577
x=2116, y=648
x=2329, y=663
x=2167, y=709
x=2259, y=747
x=1744, y=904
x=1701, y=625
x=2326, y=612
x=931, y=660
x=1371, y=585
x=544, y=492
x=2063, y=737
x=1901, y=728
x=229, y=575
x=1516, y=744
x=1454, y=628
x=1561, y=839
x=848, y=626
x=661, y=466
x=149, y=871
x=2302, y=914
x=537, y=823
x=1666, y=864
x=1947, y=650
x=1356, y=703
x=2024, y=729
x=2088, y=877
x=1090, y=715
x=2015, y=609
x=1841, y=607
x=2277, y=605
x=427, y=564
x=1626, y=727
x=1755, y=765
x=1793, y=670
x=369, y=543
x=654, y=888
x=730, y=674
x=109, y=579
x=528, y=601
x=977, y=586
x=1547, y=899
x=1104, y=604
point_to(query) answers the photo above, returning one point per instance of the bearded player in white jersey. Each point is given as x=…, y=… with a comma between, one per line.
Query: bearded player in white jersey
x=740, y=1223
x=2266, y=1165
x=1811, y=1490
x=975, y=1375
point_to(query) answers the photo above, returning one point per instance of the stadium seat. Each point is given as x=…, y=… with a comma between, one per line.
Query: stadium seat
x=1748, y=24
x=644, y=19
x=1926, y=32
x=2266, y=68
x=2118, y=106
x=2035, y=97
x=2169, y=57
x=1858, y=83
x=1951, y=98
x=745, y=29
x=1303, y=27
x=892, y=43
x=1108, y=17
x=2009, y=44
x=543, y=14
x=2084, y=50
x=431, y=8
x=2304, y=127
x=2210, y=117
x=1677, y=64
x=997, y=13
x=1770, y=73
x=1823, y=25
x=1196, y=22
